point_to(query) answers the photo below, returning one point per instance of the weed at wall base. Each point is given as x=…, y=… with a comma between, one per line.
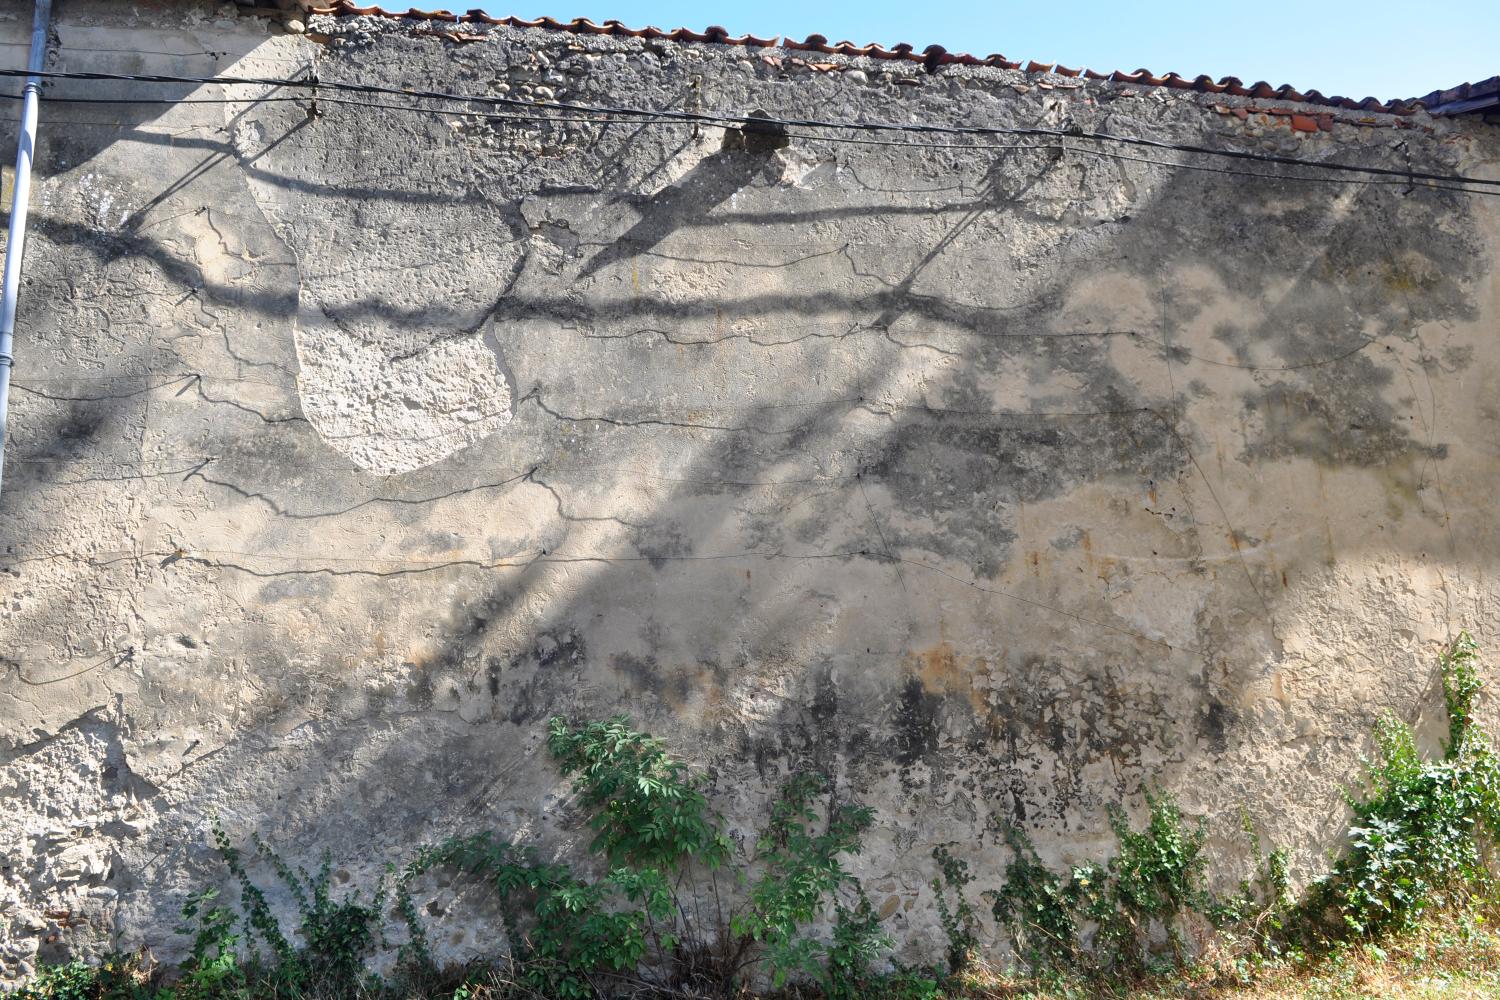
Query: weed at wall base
x=671, y=906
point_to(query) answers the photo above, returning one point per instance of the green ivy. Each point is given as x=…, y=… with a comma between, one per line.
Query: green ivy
x=337, y=933
x=957, y=920
x=650, y=906
x=1037, y=907
x=1421, y=828
x=1422, y=837
x=572, y=935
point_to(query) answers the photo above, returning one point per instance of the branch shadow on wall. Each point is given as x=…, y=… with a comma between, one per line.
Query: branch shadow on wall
x=918, y=495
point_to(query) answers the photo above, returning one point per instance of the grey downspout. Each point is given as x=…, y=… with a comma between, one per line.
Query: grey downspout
x=15, y=243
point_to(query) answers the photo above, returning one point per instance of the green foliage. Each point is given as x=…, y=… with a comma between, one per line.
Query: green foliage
x=647, y=906
x=1148, y=889
x=572, y=935
x=117, y=977
x=337, y=933
x=260, y=922
x=958, y=920
x=213, y=967
x=73, y=981
x=415, y=954
x=1254, y=920
x=648, y=809
x=565, y=931
x=1155, y=880
x=858, y=943
x=801, y=873
x=1037, y=907
x=1422, y=829
x=1423, y=836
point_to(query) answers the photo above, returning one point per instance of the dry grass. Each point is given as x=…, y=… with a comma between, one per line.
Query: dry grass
x=1445, y=960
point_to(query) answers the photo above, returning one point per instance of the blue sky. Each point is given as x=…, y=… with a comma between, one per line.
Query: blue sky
x=1378, y=48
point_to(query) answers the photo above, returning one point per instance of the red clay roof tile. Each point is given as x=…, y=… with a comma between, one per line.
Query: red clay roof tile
x=934, y=56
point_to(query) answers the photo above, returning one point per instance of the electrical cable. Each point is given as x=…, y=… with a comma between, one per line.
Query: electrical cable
x=737, y=121
x=1405, y=181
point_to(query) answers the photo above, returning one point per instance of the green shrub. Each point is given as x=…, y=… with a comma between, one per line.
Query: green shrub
x=1152, y=885
x=1422, y=837
x=858, y=943
x=213, y=967
x=117, y=977
x=337, y=934
x=662, y=849
x=72, y=981
x=648, y=906
x=1037, y=907
x=564, y=931
x=1422, y=829
x=801, y=873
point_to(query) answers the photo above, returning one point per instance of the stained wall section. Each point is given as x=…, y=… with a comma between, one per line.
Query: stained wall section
x=997, y=483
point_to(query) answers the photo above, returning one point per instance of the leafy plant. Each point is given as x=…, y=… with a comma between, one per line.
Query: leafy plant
x=117, y=977
x=958, y=920
x=858, y=943
x=648, y=809
x=213, y=964
x=801, y=873
x=564, y=930
x=1423, y=829
x=1155, y=880
x=1254, y=919
x=1036, y=906
x=655, y=833
x=337, y=933
x=1152, y=884
x=646, y=911
x=71, y=981
x=1423, y=836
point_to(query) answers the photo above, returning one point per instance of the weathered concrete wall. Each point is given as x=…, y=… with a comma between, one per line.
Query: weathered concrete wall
x=347, y=448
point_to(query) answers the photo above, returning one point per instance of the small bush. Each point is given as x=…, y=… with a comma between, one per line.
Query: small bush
x=1422, y=837
x=117, y=977
x=1423, y=830
x=1147, y=891
x=572, y=935
x=648, y=912
x=1037, y=908
x=338, y=934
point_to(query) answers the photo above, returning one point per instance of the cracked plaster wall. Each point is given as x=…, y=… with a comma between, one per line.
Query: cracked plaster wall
x=348, y=447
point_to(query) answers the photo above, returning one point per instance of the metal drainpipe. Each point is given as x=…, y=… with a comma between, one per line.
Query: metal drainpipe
x=15, y=244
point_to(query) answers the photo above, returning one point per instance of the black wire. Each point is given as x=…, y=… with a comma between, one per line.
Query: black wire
x=1405, y=181
x=736, y=121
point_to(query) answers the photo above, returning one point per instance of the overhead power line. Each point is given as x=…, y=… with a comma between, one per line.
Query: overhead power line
x=722, y=119
x=1404, y=180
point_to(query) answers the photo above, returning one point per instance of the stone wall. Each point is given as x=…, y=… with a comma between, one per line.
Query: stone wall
x=995, y=482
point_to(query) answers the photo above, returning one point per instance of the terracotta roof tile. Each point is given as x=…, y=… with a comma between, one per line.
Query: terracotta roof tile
x=1466, y=97
x=1486, y=93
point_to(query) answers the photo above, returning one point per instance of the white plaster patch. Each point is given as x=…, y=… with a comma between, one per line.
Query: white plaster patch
x=390, y=416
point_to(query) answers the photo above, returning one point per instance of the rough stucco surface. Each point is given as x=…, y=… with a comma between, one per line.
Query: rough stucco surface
x=347, y=448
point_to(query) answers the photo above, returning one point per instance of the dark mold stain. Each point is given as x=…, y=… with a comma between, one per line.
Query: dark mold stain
x=960, y=474
x=1213, y=725
x=1335, y=421
x=558, y=647
x=660, y=543
x=645, y=673
x=916, y=723
x=551, y=669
